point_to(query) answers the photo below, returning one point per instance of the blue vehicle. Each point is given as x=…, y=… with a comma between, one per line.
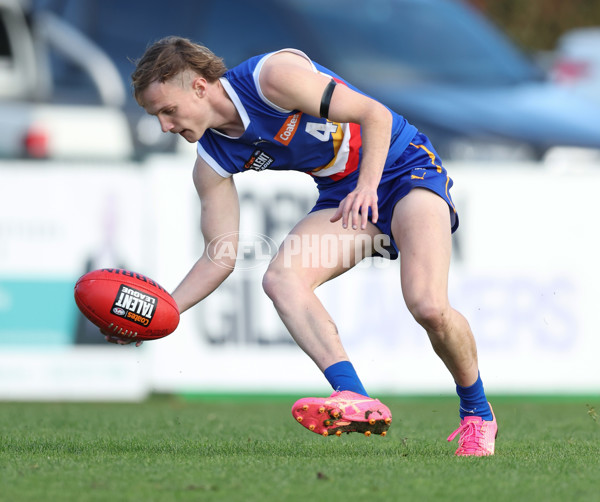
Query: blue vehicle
x=439, y=63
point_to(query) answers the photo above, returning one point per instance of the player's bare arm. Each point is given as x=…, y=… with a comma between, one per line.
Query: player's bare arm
x=219, y=223
x=289, y=81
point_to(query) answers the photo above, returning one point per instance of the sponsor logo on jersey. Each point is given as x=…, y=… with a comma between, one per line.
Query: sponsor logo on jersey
x=135, y=305
x=259, y=161
x=289, y=128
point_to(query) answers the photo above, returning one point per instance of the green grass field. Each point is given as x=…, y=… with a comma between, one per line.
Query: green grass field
x=240, y=449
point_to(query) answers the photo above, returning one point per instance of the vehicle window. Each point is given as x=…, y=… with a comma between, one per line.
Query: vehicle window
x=5, y=49
x=417, y=38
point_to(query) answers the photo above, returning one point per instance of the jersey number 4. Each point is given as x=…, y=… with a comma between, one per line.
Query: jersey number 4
x=321, y=131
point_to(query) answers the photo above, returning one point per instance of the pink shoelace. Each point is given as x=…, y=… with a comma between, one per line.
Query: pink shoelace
x=471, y=436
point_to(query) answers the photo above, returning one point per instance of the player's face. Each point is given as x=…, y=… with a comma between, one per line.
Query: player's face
x=179, y=108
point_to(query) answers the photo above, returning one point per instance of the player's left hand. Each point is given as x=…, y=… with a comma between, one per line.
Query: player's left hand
x=354, y=208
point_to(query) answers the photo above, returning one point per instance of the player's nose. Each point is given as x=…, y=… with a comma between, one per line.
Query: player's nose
x=165, y=124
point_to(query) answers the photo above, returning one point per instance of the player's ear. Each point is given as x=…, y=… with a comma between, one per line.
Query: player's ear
x=199, y=84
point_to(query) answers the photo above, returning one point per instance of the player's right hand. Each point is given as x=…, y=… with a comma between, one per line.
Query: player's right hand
x=119, y=340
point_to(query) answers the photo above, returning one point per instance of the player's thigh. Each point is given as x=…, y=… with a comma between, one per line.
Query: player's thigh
x=421, y=227
x=317, y=250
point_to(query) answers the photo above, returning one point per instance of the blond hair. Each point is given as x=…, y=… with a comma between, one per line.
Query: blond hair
x=171, y=56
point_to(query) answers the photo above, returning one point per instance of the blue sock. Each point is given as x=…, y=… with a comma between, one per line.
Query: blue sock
x=342, y=376
x=473, y=401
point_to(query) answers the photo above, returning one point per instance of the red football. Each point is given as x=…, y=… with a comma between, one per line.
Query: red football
x=127, y=304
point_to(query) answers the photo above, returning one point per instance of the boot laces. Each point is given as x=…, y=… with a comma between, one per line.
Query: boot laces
x=471, y=436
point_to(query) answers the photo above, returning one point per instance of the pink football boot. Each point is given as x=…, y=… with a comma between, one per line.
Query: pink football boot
x=477, y=436
x=343, y=411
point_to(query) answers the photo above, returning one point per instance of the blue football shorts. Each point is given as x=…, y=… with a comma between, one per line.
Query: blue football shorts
x=418, y=166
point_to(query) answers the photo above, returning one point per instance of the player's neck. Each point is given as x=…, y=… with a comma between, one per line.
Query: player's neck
x=231, y=123
x=234, y=128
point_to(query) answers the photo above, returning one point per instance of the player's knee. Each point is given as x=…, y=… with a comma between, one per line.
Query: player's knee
x=269, y=283
x=433, y=315
x=276, y=281
x=284, y=283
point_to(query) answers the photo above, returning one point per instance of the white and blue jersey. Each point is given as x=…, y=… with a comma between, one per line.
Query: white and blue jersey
x=280, y=139
x=330, y=152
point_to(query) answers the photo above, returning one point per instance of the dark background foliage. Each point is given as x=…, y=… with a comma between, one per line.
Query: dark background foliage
x=536, y=25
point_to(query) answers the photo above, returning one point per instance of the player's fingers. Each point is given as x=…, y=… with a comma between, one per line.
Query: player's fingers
x=117, y=340
x=359, y=213
x=337, y=215
x=110, y=339
x=343, y=210
x=364, y=217
x=374, y=212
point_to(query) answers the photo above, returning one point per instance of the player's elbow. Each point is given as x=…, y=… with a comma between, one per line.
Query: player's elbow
x=380, y=115
x=222, y=251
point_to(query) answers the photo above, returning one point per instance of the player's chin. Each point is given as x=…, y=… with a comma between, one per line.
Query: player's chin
x=189, y=136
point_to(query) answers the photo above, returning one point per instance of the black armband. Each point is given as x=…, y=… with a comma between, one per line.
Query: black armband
x=326, y=99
